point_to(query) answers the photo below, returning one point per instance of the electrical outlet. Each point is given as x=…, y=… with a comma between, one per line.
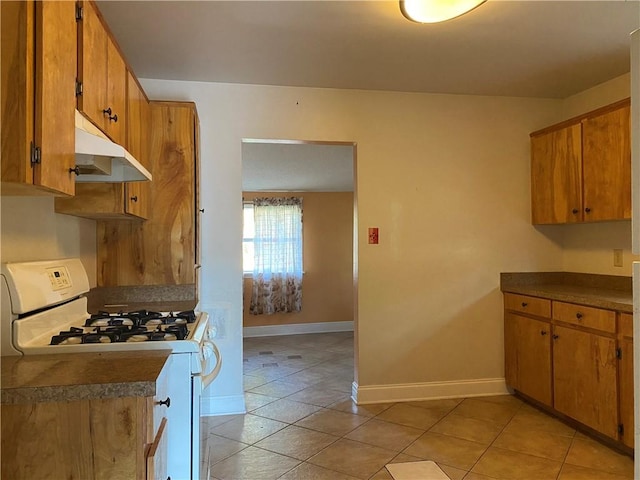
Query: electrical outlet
x=617, y=257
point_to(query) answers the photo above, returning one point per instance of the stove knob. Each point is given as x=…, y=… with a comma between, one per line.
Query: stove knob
x=166, y=402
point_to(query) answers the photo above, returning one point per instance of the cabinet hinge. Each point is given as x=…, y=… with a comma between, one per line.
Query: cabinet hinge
x=78, y=88
x=618, y=353
x=79, y=12
x=35, y=154
x=621, y=429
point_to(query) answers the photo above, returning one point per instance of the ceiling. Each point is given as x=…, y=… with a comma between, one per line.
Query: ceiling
x=545, y=48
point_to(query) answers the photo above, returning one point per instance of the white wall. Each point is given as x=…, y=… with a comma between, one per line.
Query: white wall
x=444, y=177
x=32, y=231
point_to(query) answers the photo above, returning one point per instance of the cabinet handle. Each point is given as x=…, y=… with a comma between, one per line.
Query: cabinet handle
x=524, y=304
x=575, y=211
x=578, y=315
x=75, y=170
x=587, y=209
x=542, y=332
x=166, y=402
x=134, y=198
x=555, y=337
x=201, y=210
x=107, y=112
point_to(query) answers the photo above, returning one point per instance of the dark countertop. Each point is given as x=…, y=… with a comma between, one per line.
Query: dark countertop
x=601, y=291
x=76, y=376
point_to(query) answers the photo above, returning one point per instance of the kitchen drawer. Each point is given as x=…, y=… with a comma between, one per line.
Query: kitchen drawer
x=596, y=318
x=540, y=307
x=625, y=327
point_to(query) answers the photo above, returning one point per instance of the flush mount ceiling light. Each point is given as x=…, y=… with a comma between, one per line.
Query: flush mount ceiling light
x=434, y=11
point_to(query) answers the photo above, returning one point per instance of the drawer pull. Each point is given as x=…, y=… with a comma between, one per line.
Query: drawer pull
x=75, y=170
x=134, y=198
x=587, y=210
x=578, y=315
x=166, y=402
x=575, y=211
x=555, y=337
x=542, y=332
x=524, y=304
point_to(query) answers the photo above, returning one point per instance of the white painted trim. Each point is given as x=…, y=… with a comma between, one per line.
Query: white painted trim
x=297, y=328
x=428, y=391
x=227, y=405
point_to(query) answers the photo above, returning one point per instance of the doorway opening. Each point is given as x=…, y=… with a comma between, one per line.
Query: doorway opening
x=316, y=346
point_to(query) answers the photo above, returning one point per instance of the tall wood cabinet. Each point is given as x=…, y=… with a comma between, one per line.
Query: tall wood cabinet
x=581, y=168
x=38, y=100
x=162, y=250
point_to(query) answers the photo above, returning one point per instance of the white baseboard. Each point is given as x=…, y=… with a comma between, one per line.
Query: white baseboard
x=229, y=405
x=297, y=328
x=428, y=391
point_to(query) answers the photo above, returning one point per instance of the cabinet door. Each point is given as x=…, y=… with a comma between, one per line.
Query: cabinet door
x=606, y=158
x=137, y=196
x=55, y=98
x=626, y=391
x=532, y=345
x=92, y=65
x=556, y=176
x=38, y=101
x=115, y=123
x=585, y=378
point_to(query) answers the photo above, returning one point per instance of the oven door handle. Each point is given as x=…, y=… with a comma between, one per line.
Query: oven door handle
x=210, y=377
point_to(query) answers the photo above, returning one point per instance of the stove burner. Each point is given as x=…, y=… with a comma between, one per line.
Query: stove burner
x=137, y=326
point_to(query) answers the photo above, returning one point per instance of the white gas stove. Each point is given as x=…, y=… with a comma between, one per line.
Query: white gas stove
x=44, y=311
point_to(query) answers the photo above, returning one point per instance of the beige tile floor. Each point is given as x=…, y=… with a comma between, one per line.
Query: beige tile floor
x=301, y=424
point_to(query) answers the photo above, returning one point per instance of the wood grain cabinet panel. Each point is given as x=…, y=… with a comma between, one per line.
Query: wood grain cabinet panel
x=606, y=165
x=160, y=251
x=581, y=168
x=528, y=356
x=38, y=99
x=102, y=72
x=585, y=378
x=625, y=379
x=556, y=176
x=539, y=307
x=588, y=317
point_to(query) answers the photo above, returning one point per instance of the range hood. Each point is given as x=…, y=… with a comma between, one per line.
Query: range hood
x=98, y=159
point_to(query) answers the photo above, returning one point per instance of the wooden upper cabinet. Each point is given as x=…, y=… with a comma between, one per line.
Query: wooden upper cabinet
x=162, y=250
x=38, y=99
x=606, y=165
x=556, y=176
x=581, y=169
x=102, y=72
x=137, y=194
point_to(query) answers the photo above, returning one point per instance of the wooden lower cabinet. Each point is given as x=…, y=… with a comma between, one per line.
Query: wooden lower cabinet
x=528, y=356
x=101, y=439
x=579, y=362
x=625, y=380
x=585, y=378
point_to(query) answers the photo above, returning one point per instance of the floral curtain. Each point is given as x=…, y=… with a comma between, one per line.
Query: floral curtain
x=277, y=273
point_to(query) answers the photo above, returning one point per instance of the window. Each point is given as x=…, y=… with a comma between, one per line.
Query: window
x=248, y=234
x=276, y=232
